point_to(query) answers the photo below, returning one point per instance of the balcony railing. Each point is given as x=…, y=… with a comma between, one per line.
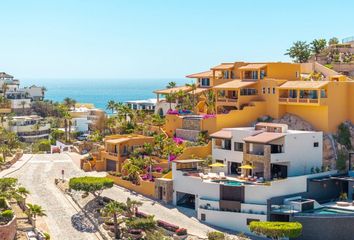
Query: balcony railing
x=229, y=100
x=303, y=100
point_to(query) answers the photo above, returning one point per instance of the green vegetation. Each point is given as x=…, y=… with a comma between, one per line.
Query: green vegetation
x=34, y=210
x=8, y=143
x=145, y=224
x=333, y=41
x=341, y=160
x=216, y=236
x=344, y=136
x=318, y=45
x=300, y=52
x=115, y=209
x=42, y=146
x=7, y=215
x=93, y=185
x=276, y=230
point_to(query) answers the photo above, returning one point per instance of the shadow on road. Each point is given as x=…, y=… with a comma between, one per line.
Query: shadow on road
x=81, y=223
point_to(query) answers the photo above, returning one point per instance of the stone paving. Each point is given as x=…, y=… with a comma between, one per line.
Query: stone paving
x=38, y=175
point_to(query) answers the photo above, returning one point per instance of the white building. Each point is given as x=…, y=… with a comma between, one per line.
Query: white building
x=287, y=152
x=28, y=128
x=148, y=104
x=231, y=199
x=35, y=93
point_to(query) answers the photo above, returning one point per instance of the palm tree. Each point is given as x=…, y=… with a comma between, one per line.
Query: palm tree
x=33, y=211
x=4, y=88
x=67, y=126
x=180, y=96
x=170, y=98
x=171, y=85
x=132, y=206
x=111, y=105
x=23, y=104
x=132, y=170
x=210, y=101
x=114, y=209
x=193, y=87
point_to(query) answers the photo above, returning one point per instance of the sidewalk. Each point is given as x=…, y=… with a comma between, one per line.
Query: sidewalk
x=18, y=165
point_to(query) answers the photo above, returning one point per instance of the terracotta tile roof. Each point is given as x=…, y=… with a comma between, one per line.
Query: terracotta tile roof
x=264, y=137
x=234, y=84
x=173, y=90
x=206, y=74
x=222, y=134
x=308, y=85
x=223, y=66
x=253, y=66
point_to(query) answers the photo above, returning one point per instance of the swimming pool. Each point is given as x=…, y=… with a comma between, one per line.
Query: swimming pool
x=329, y=210
x=229, y=182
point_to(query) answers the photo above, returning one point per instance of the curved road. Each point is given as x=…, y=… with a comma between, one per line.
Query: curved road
x=38, y=175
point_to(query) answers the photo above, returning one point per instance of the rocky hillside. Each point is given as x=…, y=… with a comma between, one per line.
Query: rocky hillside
x=333, y=144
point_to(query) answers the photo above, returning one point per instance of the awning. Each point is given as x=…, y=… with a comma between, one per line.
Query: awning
x=223, y=66
x=222, y=134
x=264, y=137
x=188, y=161
x=253, y=66
x=206, y=74
x=305, y=85
x=234, y=84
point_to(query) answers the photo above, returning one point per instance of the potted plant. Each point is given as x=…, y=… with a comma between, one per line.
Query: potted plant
x=181, y=233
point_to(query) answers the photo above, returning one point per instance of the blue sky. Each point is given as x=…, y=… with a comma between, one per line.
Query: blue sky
x=156, y=39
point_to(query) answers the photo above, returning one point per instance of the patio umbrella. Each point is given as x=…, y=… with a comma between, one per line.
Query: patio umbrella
x=248, y=167
x=217, y=164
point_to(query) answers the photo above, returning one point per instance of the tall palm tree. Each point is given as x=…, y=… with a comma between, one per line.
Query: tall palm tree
x=171, y=85
x=23, y=104
x=132, y=206
x=210, y=101
x=111, y=105
x=33, y=211
x=4, y=88
x=170, y=98
x=193, y=87
x=180, y=95
x=114, y=209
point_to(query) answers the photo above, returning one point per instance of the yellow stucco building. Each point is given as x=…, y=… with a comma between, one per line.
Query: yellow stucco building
x=246, y=91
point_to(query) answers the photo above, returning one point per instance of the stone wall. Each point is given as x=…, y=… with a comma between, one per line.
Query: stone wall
x=8, y=231
x=166, y=195
x=186, y=134
x=191, y=124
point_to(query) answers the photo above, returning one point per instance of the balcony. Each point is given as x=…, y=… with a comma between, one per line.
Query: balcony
x=303, y=101
x=5, y=107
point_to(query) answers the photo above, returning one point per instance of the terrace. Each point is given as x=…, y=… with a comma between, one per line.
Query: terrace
x=303, y=93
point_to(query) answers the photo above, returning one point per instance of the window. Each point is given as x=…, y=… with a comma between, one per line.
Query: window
x=203, y=217
x=227, y=144
x=219, y=161
x=268, y=90
x=263, y=74
x=273, y=90
x=226, y=74
x=238, y=147
x=263, y=90
x=297, y=74
x=249, y=220
x=205, y=82
x=315, y=144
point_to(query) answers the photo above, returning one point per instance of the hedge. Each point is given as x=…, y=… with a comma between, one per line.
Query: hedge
x=90, y=184
x=276, y=229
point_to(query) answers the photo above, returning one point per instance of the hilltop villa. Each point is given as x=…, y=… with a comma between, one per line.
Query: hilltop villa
x=265, y=173
x=246, y=91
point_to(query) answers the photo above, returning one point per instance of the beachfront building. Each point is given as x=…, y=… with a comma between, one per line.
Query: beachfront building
x=146, y=105
x=271, y=149
x=297, y=192
x=246, y=91
x=28, y=128
x=19, y=98
x=117, y=149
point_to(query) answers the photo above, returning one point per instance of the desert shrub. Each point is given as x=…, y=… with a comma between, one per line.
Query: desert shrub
x=2, y=203
x=142, y=223
x=276, y=230
x=216, y=236
x=181, y=231
x=7, y=214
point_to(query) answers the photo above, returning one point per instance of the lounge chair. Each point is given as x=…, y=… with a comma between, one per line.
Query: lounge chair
x=213, y=176
x=222, y=175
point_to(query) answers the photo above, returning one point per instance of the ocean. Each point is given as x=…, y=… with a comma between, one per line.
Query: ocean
x=100, y=91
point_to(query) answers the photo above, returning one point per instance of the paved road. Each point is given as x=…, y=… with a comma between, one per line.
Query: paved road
x=38, y=175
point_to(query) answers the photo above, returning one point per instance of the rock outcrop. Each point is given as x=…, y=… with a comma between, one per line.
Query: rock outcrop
x=330, y=144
